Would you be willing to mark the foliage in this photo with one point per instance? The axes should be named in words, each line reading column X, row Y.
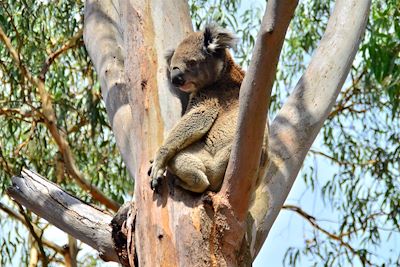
column 75, row 96
column 360, row 138
column 36, row 30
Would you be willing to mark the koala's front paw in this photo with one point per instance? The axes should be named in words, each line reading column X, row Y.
column 156, row 173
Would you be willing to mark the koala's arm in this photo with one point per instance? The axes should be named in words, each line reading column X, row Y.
column 191, row 127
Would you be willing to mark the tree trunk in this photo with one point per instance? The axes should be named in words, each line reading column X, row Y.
column 172, row 228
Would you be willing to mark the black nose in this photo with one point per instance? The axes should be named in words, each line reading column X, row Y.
column 177, row 77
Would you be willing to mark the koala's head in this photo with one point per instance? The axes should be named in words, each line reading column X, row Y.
column 199, row 59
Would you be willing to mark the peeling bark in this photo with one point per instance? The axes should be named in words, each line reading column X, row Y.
column 123, row 225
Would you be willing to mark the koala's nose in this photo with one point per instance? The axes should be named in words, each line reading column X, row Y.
column 177, row 77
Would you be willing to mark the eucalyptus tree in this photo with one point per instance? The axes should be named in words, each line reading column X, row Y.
column 371, row 94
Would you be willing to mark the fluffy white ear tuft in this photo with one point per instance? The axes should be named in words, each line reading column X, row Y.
column 213, row 46
column 216, row 38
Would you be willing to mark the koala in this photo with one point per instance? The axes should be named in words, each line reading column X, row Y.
column 197, row 149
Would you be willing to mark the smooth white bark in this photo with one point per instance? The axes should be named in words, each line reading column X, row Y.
column 103, row 36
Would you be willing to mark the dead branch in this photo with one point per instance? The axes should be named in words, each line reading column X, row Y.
column 65, row 211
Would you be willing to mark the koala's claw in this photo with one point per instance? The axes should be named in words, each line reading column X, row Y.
column 155, row 184
column 156, row 174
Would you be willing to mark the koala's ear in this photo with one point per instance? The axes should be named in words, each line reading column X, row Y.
column 216, row 38
column 168, row 56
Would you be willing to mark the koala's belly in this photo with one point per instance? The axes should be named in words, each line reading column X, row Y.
column 222, row 132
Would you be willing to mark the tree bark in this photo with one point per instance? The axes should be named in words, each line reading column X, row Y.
column 168, row 228
column 65, row 211
column 146, row 30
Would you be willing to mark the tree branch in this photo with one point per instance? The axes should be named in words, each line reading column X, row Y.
column 302, row 116
column 339, row 162
column 232, row 202
column 72, row 42
column 58, row 136
column 15, row 111
column 27, row 140
column 65, row 211
column 103, row 37
column 16, row 57
column 71, row 252
column 254, row 101
column 33, row 256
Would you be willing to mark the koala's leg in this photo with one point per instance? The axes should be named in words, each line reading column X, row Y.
column 191, row 127
column 191, row 171
column 216, row 167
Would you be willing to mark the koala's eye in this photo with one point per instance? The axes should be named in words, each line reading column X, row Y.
column 191, row 63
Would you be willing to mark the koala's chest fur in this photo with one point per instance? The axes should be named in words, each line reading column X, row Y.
column 223, row 96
